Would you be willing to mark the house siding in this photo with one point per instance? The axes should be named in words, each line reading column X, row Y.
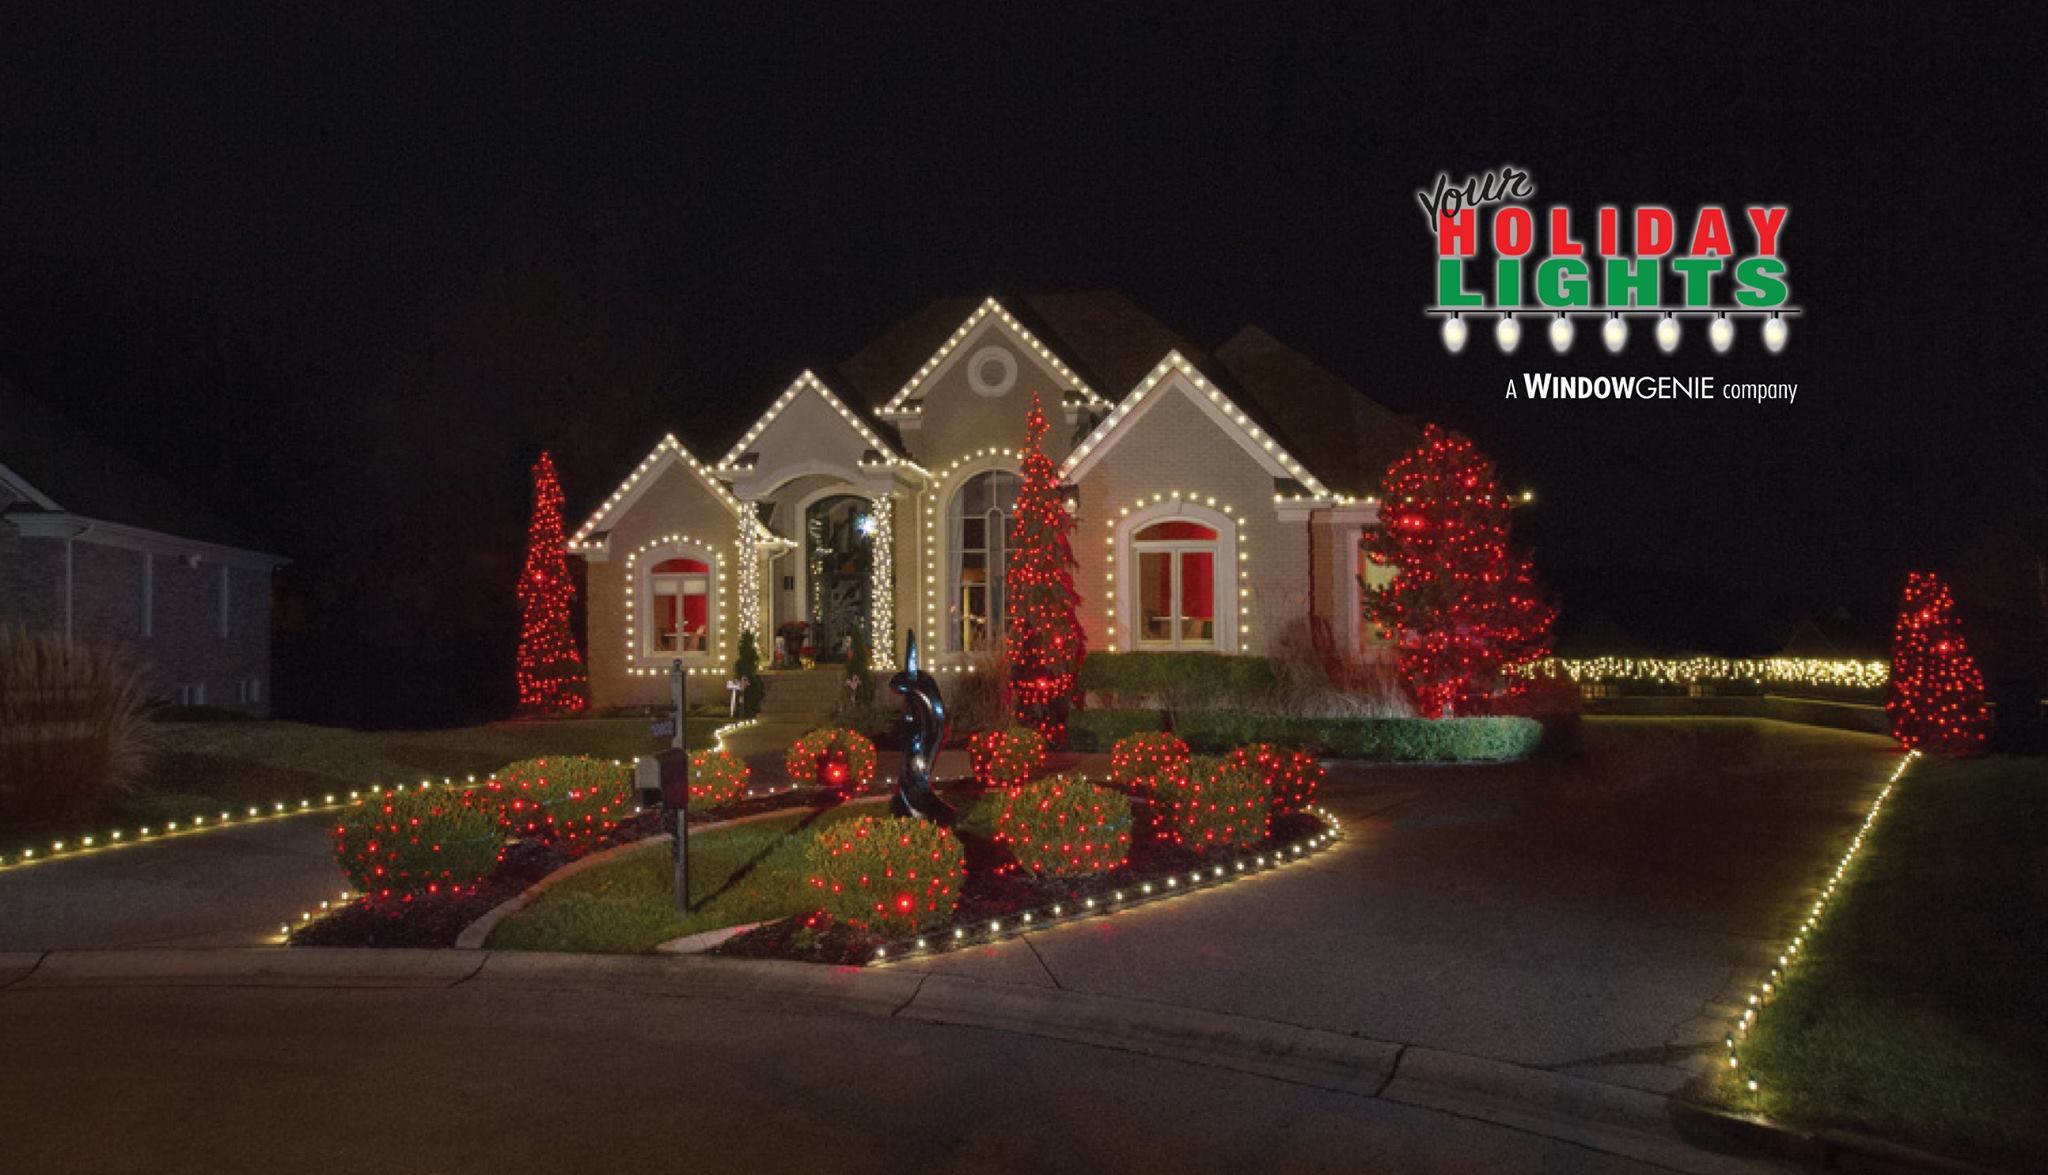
column 1175, row 445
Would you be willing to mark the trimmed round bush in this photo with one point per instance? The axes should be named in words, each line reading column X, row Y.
column 1006, row 758
column 1140, row 761
column 717, row 777
column 832, row 756
column 890, row 875
column 1065, row 826
column 404, row 843
column 1218, row 803
column 1291, row 777
column 566, row 800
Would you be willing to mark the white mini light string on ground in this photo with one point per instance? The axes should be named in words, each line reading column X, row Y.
column 1805, row 671
column 1208, row 876
column 1789, row 954
column 1240, row 591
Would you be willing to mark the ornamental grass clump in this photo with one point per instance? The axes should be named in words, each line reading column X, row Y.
column 566, row 800
column 1291, row 777
column 1142, row 761
column 74, row 720
column 888, row 875
column 1065, row 827
column 832, row 756
column 1006, row 758
column 1217, row 804
column 717, row 777
column 402, row 844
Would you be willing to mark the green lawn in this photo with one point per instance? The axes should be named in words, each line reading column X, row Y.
column 741, row 873
column 1920, row 1013
column 202, row 766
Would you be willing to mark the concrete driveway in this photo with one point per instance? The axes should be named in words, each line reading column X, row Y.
column 1587, row 917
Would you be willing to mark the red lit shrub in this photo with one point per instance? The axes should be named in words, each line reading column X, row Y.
column 1006, row 758
column 832, row 756
column 1142, row 760
column 1217, row 803
column 717, row 777
column 1065, row 826
column 406, row 843
column 1290, row 777
column 887, row 874
column 566, row 800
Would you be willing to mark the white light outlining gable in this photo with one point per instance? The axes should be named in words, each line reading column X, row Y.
column 811, row 383
column 1175, row 373
column 902, row 404
column 669, row 452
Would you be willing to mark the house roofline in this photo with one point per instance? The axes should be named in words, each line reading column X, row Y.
column 61, row 524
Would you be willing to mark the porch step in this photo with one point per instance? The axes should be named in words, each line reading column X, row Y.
column 807, row 694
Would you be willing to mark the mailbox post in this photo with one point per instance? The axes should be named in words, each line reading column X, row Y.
column 664, row 778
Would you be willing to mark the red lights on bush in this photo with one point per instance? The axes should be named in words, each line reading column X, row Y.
column 1291, row 778
column 1005, row 758
column 1141, row 760
column 1936, row 694
column 407, row 843
column 1465, row 612
column 1217, row 803
column 717, row 777
column 832, row 756
column 566, row 800
column 1065, row 827
column 886, row 874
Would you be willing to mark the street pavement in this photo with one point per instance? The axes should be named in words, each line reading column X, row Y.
column 490, row 1078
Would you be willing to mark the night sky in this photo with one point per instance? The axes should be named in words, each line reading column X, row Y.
column 343, row 270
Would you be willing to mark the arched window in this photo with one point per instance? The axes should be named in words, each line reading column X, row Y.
column 978, row 526
column 679, row 606
column 1176, row 562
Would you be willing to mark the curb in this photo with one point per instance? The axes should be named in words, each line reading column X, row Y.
column 696, row 944
column 249, row 967
column 475, row 934
column 1829, row 1149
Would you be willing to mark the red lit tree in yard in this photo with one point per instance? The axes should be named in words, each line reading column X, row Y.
column 1936, row 695
column 1045, row 643
column 552, row 679
column 1464, row 610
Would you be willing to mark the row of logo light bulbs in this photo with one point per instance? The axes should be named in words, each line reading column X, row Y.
column 1614, row 333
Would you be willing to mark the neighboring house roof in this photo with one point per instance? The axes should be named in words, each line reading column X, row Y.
column 64, row 470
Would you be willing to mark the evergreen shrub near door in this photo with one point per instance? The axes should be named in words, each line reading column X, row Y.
column 1177, row 679
column 1389, row 740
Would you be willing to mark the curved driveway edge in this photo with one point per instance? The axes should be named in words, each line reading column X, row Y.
column 1606, row 1118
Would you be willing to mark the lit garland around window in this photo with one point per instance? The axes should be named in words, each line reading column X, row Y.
column 714, row 640
column 1243, row 593
column 1788, row 955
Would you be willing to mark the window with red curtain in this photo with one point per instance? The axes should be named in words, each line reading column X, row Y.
column 680, row 591
column 1176, row 565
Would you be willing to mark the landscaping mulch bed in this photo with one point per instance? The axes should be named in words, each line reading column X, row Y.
column 437, row 920
column 996, row 890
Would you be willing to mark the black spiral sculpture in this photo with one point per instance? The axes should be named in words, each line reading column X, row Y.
column 924, row 732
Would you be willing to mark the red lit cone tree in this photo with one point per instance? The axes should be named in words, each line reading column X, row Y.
column 1936, row 695
column 552, row 679
column 1045, row 643
column 1465, row 611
